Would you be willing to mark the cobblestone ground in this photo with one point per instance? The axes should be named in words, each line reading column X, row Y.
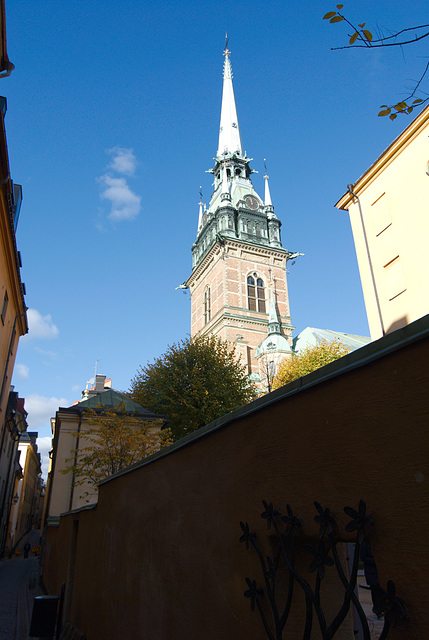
column 19, row 584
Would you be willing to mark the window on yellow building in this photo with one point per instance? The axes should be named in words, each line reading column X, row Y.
column 395, row 280
column 381, row 214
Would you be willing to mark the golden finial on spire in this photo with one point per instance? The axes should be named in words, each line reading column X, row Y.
column 265, row 167
column 201, row 195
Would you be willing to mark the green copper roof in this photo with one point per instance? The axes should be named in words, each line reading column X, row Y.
column 112, row 398
column 312, row 337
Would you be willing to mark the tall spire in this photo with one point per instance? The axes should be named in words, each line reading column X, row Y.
column 229, row 132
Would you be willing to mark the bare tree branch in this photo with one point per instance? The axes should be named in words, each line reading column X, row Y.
column 362, row 38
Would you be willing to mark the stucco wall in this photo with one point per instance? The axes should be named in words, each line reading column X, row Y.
column 159, row 556
column 390, row 230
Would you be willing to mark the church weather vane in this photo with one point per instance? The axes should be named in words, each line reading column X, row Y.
column 226, row 51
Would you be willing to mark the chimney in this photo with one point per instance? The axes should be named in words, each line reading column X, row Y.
column 99, row 383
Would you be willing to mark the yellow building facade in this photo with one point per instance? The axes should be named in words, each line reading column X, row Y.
column 388, row 212
column 13, row 318
column 25, row 512
column 73, row 431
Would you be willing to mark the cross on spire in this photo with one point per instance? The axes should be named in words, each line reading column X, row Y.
column 226, row 52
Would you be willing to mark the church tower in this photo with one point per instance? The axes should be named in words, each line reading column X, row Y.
column 238, row 281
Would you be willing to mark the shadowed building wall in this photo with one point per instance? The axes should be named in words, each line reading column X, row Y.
column 159, row 556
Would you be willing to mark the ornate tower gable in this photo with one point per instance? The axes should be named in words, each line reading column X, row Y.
column 238, row 250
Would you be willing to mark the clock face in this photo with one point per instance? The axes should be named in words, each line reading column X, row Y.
column 251, row 202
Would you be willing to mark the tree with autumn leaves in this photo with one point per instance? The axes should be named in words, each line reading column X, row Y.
column 308, row 360
column 112, row 440
column 191, row 384
column 194, row 382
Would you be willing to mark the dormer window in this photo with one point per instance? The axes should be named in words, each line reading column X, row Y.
column 255, row 294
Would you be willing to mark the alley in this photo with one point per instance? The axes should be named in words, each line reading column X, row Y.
column 19, row 584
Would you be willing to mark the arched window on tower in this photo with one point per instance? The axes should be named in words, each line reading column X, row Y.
column 255, row 294
column 207, row 306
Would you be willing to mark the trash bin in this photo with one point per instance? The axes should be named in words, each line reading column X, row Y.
column 44, row 617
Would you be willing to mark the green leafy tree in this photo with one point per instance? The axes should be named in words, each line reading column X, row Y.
column 194, row 382
column 113, row 441
column 308, row 360
column 359, row 36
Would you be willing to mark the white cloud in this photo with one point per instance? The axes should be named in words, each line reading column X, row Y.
column 22, row 371
column 40, row 409
column 125, row 203
column 49, row 354
column 123, row 161
column 44, row 445
column 40, row 326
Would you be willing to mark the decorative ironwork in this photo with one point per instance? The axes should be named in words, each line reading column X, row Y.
column 324, row 554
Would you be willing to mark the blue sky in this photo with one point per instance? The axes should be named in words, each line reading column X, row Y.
column 112, row 121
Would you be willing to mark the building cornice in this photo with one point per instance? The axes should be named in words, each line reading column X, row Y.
column 239, row 244
column 397, row 147
column 228, row 316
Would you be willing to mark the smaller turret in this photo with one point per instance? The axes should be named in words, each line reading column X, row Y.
column 273, row 319
column 267, row 201
column 200, row 214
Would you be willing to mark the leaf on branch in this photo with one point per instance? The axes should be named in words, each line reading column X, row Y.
column 367, row 34
column 340, row 6
column 385, row 112
column 410, row 109
column 362, row 25
column 336, row 19
column 329, row 15
column 393, row 116
column 417, row 100
column 400, row 106
column 354, row 38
